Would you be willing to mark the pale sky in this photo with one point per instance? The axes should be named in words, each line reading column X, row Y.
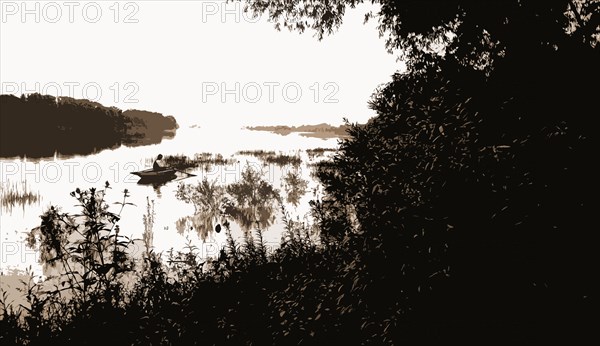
column 179, row 55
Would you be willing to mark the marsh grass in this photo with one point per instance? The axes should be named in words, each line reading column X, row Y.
column 319, row 152
column 270, row 157
column 13, row 195
column 200, row 160
column 148, row 220
column 257, row 153
column 283, row 160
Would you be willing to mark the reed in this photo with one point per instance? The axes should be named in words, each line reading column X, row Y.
column 17, row 194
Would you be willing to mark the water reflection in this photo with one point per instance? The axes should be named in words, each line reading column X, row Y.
column 157, row 185
column 52, row 179
column 250, row 202
column 208, row 199
column 295, row 187
column 254, row 201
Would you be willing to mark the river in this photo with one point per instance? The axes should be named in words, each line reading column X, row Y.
column 52, row 179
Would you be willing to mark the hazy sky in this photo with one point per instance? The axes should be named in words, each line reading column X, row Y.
column 177, row 57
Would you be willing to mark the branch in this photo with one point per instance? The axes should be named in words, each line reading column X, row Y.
column 576, row 12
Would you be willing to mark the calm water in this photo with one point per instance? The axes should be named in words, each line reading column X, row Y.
column 55, row 178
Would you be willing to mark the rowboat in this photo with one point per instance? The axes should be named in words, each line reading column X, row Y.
column 152, row 176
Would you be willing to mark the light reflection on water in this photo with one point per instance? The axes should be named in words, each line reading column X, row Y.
column 55, row 178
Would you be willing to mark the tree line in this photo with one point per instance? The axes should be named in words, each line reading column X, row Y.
column 37, row 125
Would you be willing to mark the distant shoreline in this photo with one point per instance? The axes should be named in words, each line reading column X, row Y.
column 323, row 131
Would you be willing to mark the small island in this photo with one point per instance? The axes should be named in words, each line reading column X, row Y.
column 323, row 131
column 38, row 126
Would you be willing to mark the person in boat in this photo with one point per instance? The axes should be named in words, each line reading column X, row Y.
column 158, row 163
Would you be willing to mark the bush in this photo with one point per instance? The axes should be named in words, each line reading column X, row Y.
column 246, row 296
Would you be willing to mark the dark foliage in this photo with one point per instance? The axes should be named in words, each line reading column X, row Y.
column 247, row 295
column 477, row 168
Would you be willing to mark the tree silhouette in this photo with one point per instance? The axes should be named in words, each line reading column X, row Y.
column 40, row 126
column 472, row 182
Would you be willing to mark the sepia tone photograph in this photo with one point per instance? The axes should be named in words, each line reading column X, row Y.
column 299, row 172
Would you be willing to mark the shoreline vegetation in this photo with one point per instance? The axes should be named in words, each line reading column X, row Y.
column 37, row 126
column 200, row 160
column 14, row 195
column 271, row 157
column 322, row 131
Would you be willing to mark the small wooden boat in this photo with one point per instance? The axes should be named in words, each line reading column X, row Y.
column 152, row 176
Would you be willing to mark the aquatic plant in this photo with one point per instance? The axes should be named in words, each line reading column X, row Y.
column 12, row 195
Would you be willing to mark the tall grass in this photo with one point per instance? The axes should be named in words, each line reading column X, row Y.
column 248, row 295
column 148, row 220
column 318, row 152
column 257, row 153
column 271, row 157
column 199, row 160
